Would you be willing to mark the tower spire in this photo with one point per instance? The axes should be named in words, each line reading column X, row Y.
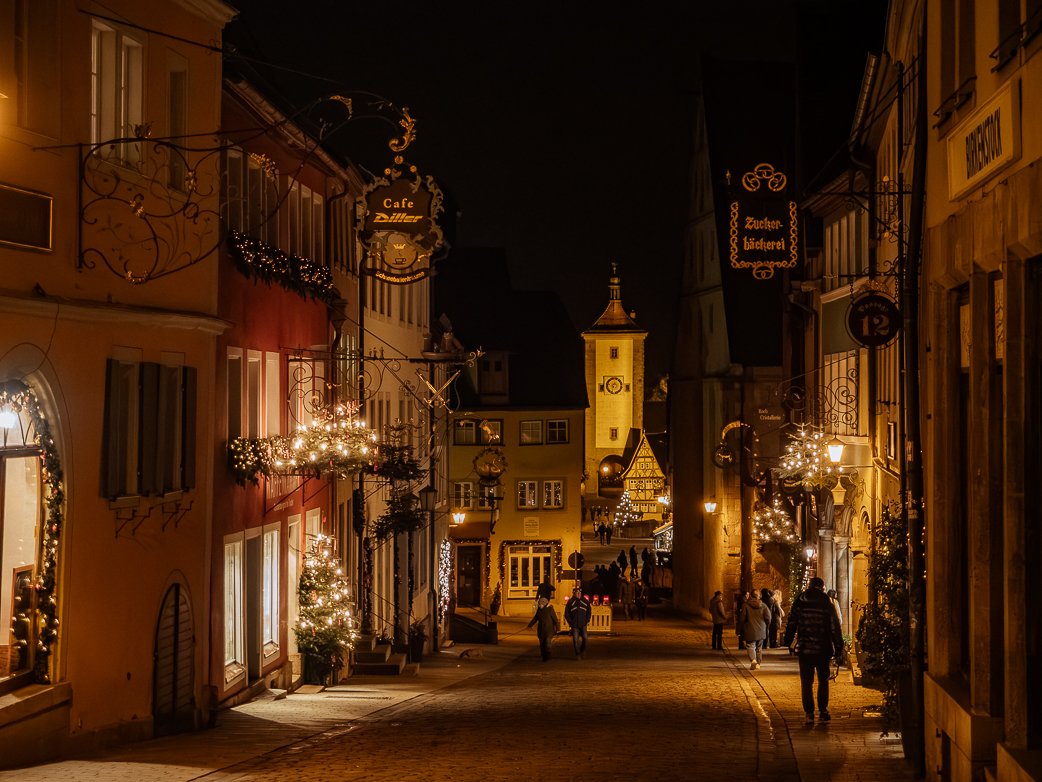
column 613, row 284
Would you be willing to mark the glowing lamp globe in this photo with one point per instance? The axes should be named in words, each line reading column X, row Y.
column 835, row 447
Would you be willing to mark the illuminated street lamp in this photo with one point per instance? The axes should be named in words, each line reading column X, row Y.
column 459, row 517
column 710, row 506
column 810, row 554
column 835, row 447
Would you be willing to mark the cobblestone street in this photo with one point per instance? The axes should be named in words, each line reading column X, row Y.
column 653, row 701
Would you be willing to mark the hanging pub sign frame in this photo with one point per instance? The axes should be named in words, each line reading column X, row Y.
column 764, row 224
column 400, row 230
column 873, row 320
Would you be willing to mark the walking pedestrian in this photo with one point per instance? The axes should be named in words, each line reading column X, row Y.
column 781, row 613
column 767, row 598
column 719, row 615
column 814, row 624
column 754, row 619
column 548, row 625
column 623, row 562
column 776, row 617
column 633, row 561
column 626, row 596
column 649, row 566
column 546, row 589
column 608, row 529
column 739, row 602
column 640, row 599
column 577, row 612
column 834, row 599
column 601, row 530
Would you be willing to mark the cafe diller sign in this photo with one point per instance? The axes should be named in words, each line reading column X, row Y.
column 764, row 224
column 400, row 230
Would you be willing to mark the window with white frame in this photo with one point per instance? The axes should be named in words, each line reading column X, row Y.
column 557, row 431
column 306, row 223
column 484, row 497
column 248, row 195
column 270, row 593
column 294, row 562
column 462, row 496
column 341, row 233
column 254, row 393
column 117, row 89
column 272, row 395
column 526, row 495
column 464, row 433
column 553, row 494
column 531, row 432
column 177, row 117
column 529, row 567
column 234, row 615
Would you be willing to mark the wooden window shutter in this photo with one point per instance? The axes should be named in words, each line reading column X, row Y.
column 151, row 446
column 188, row 427
column 111, row 483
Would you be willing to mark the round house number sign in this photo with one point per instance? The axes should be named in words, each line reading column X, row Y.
column 873, row 320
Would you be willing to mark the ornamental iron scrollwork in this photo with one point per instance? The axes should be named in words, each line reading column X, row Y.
column 830, row 398
column 149, row 207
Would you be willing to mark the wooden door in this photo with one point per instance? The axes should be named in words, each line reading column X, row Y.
column 172, row 683
column 468, row 575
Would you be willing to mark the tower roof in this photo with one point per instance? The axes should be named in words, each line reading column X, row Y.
column 614, row 319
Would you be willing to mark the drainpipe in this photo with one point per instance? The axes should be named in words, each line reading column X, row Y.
column 913, row 451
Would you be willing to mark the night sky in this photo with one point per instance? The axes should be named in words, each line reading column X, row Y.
column 559, row 131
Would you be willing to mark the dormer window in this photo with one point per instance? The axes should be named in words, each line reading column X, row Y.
column 492, row 374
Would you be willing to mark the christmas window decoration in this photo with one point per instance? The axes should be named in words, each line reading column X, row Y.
column 259, row 261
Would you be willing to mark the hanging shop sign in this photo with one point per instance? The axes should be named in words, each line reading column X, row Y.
column 400, row 231
column 764, row 224
column 984, row 143
column 873, row 320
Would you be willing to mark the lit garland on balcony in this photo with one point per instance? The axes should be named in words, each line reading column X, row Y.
column 257, row 260
column 772, row 524
column 807, row 460
column 334, row 442
column 23, row 397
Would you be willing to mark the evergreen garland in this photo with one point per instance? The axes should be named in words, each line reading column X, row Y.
column 259, row 261
column 399, row 468
column 325, row 629
column 20, row 396
column 883, row 634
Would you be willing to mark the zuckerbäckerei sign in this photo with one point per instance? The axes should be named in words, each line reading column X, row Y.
column 984, row 143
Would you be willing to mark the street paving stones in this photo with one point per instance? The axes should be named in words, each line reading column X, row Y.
column 652, row 701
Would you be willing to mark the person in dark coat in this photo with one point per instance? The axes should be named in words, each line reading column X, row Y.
column 608, row 530
column 577, row 613
column 754, row 618
column 623, row 562
column 626, row 596
column 719, row 615
column 737, row 612
column 633, row 561
column 640, row 599
column 771, row 600
column 548, row 625
column 601, row 530
column 647, row 571
column 813, row 623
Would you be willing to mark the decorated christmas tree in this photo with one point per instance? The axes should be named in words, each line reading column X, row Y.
column 325, row 629
column 626, row 513
column 772, row 524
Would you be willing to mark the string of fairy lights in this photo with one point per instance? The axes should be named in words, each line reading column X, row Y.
column 259, row 260
column 23, row 398
column 325, row 625
column 772, row 524
column 335, row 441
column 807, row 459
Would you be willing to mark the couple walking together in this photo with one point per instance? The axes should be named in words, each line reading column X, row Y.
column 577, row 612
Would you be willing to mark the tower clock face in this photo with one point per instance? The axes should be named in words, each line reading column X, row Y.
column 613, row 385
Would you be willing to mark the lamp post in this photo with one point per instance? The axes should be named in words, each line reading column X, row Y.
column 428, row 500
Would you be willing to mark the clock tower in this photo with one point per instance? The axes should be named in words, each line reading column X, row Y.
column 615, row 386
